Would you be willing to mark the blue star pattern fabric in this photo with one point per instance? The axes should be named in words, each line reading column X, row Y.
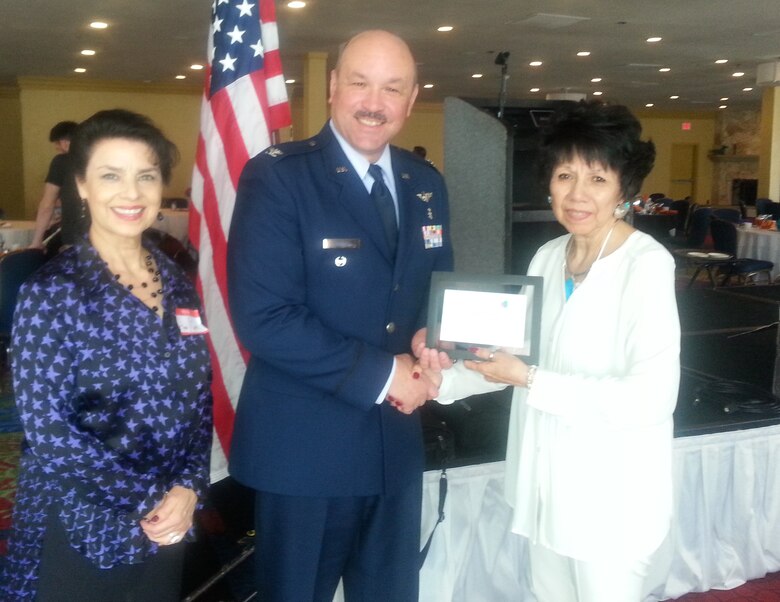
column 116, row 408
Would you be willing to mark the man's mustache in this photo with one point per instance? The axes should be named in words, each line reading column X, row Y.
column 373, row 115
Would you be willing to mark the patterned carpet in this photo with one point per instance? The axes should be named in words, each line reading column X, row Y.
column 10, row 438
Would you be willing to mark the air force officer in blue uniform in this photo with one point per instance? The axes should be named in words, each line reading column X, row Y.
column 326, row 300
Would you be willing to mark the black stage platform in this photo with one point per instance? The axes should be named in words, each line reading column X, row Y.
column 729, row 336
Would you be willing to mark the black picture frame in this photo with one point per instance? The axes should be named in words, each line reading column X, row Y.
column 496, row 286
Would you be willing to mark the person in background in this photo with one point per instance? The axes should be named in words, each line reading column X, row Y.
column 589, row 456
column 112, row 381
column 59, row 185
column 420, row 151
column 331, row 249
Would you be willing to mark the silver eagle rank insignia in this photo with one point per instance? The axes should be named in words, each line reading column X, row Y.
column 274, row 151
column 425, row 196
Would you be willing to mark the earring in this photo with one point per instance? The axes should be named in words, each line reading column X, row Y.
column 549, row 200
column 160, row 216
column 83, row 209
column 621, row 210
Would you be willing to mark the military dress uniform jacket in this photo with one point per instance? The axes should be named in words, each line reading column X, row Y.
column 322, row 307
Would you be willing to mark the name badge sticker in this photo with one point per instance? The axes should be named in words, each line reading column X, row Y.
column 433, row 236
column 189, row 322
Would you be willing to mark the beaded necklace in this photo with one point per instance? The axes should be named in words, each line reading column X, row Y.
column 152, row 269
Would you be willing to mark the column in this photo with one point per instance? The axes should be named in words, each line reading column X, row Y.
column 315, row 93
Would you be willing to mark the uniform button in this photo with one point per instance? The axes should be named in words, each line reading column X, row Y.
column 390, row 328
column 396, row 288
column 167, row 354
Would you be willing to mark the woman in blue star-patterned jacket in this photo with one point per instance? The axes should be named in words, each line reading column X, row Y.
column 111, row 376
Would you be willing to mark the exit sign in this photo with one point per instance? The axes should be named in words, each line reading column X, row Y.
column 686, row 125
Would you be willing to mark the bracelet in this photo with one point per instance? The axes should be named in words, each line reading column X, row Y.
column 529, row 378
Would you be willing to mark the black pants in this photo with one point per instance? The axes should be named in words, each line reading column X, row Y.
column 65, row 575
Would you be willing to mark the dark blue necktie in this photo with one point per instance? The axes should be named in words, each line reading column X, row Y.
column 384, row 203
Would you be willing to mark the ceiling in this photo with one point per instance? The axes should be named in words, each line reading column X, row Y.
column 153, row 40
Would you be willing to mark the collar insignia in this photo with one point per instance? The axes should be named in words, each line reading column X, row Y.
column 341, row 169
column 405, row 176
column 425, row 196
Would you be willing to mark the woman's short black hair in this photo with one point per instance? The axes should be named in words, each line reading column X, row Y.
column 598, row 133
column 120, row 123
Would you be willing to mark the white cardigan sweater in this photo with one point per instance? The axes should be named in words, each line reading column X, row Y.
column 588, row 468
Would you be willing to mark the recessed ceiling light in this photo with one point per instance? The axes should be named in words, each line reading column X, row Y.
column 664, row 70
column 737, row 74
column 747, row 89
column 535, row 63
column 86, row 52
column 595, row 80
column 476, row 75
column 445, row 28
column 181, row 77
column 583, row 53
column 721, row 61
column 724, row 99
column 428, row 86
column 296, row 4
column 196, row 66
column 80, row 70
column 654, row 39
column 98, row 25
column 723, row 107
column 534, row 90
column 649, row 104
column 289, row 81
column 673, row 97
column 598, row 93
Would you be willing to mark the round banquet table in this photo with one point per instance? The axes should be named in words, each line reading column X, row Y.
column 174, row 222
column 16, row 234
column 755, row 243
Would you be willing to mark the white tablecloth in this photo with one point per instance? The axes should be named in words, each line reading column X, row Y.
column 726, row 529
column 16, row 234
column 174, row 222
column 760, row 244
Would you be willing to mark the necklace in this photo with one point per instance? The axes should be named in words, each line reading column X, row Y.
column 147, row 288
column 577, row 278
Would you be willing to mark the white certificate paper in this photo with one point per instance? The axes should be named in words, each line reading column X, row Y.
column 483, row 318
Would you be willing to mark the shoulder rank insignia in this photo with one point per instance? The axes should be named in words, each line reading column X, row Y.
column 274, row 151
column 425, row 196
column 341, row 169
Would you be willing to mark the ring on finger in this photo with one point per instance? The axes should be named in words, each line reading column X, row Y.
column 491, row 356
column 174, row 538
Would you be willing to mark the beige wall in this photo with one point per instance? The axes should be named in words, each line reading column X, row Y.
column 44, row 102
column 11, row 187
column 25, row 122
column 665, row 130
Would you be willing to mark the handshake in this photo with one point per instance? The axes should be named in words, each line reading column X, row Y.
column 416, row 379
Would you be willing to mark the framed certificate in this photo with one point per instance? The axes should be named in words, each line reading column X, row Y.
column 488, row 311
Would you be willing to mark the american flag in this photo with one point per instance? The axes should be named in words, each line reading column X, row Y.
column 244, row 101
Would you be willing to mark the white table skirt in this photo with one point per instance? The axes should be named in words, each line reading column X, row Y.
column 760, row 244
column 174, row 222
column 726, row 529
column 16, row 234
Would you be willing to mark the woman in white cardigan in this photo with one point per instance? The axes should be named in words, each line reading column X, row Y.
column 588, row 468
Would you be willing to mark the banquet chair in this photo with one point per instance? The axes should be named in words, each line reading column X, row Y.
column 724, row 239
column 681, row 207
column 764, row 206
column 730, row 215
column 15, row 268
column 698, row 229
